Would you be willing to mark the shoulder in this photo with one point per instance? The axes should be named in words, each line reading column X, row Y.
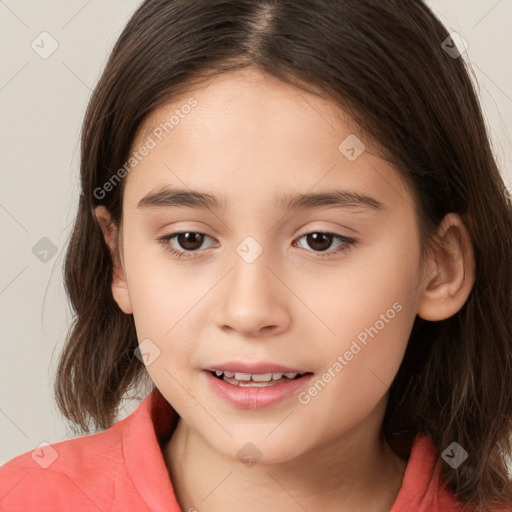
column 423, row 489
column 78, row 474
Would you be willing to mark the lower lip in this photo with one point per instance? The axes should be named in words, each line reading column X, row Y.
column 255, row 398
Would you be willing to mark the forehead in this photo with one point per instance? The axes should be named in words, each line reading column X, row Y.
column 246, row 132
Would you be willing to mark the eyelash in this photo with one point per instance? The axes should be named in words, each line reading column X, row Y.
column 165, row 241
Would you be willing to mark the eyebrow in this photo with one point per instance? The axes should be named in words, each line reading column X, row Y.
column 174, row 197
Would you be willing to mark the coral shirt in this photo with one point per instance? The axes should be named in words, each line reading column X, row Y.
column 122, row 469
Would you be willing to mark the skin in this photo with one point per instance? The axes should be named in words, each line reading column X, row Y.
column 250, row 137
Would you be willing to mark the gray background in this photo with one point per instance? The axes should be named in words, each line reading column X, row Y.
column 42, row 103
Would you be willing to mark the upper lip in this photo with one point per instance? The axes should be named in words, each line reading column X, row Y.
column 253, row 368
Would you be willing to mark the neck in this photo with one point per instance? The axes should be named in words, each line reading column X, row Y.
column 354, row 471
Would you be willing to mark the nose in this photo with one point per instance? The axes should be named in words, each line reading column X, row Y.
column 254, row 299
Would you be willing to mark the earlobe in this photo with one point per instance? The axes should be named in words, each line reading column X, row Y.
column 450, row 282
column 119, row 285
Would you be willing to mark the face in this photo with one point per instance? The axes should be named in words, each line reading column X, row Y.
column 327, row 286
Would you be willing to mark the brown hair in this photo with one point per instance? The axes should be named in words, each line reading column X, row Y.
column 383, row 62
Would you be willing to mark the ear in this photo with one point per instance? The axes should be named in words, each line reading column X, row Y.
column 119, row 285
column 452, row 271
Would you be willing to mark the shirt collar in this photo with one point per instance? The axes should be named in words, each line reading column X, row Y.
column 422, row 488
column 151, row 424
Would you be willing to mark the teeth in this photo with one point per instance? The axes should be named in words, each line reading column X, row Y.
column 265, row 377
column 242, row 376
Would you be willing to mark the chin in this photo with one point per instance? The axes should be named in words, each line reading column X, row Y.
column 250, row 447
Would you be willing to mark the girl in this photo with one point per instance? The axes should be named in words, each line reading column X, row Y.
column 340, row 338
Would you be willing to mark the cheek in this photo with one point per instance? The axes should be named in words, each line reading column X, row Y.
column 370, row 310
column 360, row 363
column 373, row 286
column 162, row 291
column 370, row 341
column 166, row 305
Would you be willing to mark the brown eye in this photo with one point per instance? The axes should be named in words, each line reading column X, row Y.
column 190, row 241
column 319, row 241
column 184, row 244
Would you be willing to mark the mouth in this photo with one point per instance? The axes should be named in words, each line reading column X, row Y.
column 248, row 380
